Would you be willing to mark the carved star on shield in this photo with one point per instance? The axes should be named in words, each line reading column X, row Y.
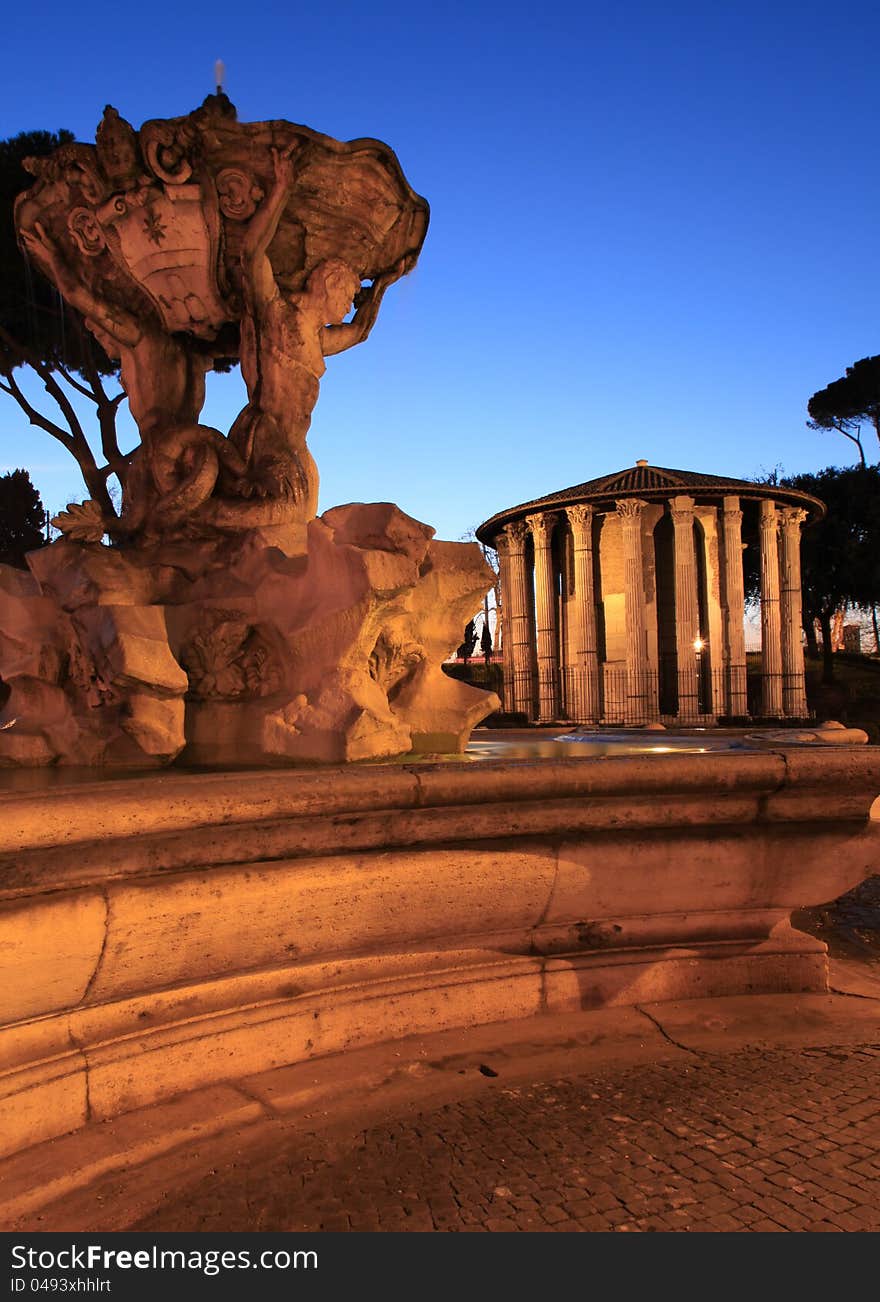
column 154, row 227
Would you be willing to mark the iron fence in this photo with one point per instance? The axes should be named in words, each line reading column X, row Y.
column 616, row 695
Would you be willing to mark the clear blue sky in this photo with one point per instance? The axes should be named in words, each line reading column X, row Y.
column 653, row 229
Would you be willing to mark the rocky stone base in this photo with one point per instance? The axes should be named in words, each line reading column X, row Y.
column 231, row 652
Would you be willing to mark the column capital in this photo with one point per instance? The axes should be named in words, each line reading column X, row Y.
column 579, row 516
column 681, row 508
column 769, row 516
column 732, row 512
column 541, row 526
column 792, row 517
column 630, row 508
column 515, row 533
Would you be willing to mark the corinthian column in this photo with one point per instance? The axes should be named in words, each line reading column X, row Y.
column 519, row 623
column 541, row 526
column 771, row 634
column 734, row 605
column 630, row 512
column 794, row 696
column 687, row 609
column 580, row 628
column 502, row 547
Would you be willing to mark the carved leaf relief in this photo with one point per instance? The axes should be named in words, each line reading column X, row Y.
column 229, row 659
column 82, row 669
column 81, row 522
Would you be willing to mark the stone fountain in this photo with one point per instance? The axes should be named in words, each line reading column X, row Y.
column 216, row 617
column 184, row 931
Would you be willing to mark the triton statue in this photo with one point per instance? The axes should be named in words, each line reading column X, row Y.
column 200, row 238
column 217, row 618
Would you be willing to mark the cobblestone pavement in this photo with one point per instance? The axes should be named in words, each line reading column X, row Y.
column 782, row 1139
column 850, row 926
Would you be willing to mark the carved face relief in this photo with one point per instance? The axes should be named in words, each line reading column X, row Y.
column 117, row 149
column 338, row 284
column 77, row 166
column 391, row 662
column 339, row 300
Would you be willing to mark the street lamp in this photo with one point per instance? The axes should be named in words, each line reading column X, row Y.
column 699, row 644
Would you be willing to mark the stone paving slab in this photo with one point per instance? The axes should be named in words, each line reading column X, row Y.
column 759, row 1113
column 770, row 1021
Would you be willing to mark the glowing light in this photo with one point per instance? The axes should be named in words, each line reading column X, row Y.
column 698, row 644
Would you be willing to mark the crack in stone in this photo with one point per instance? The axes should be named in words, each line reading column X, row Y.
column 696, row 1053
column 105, row 895
column 851, row 994
column 86, row 1066
column 70, row 1031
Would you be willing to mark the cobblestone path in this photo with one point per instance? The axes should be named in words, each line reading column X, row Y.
column 783, row 1139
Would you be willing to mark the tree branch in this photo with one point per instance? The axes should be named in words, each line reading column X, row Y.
column 54, row 390
column 73, row 438
column 107, row 409
column 35, row 417
column 854, row 438
column 85, row 390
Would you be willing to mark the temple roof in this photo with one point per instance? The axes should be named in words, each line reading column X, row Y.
column 652, row 484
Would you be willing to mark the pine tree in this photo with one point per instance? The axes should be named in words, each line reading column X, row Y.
column 22, row 518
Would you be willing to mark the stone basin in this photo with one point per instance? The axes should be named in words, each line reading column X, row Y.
column 595, row 742
column 164, row 932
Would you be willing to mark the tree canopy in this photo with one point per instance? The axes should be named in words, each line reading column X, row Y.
column 845, row 403
column 38, row 330
column 840, row 555
column 29, row 309
column 22, row 518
